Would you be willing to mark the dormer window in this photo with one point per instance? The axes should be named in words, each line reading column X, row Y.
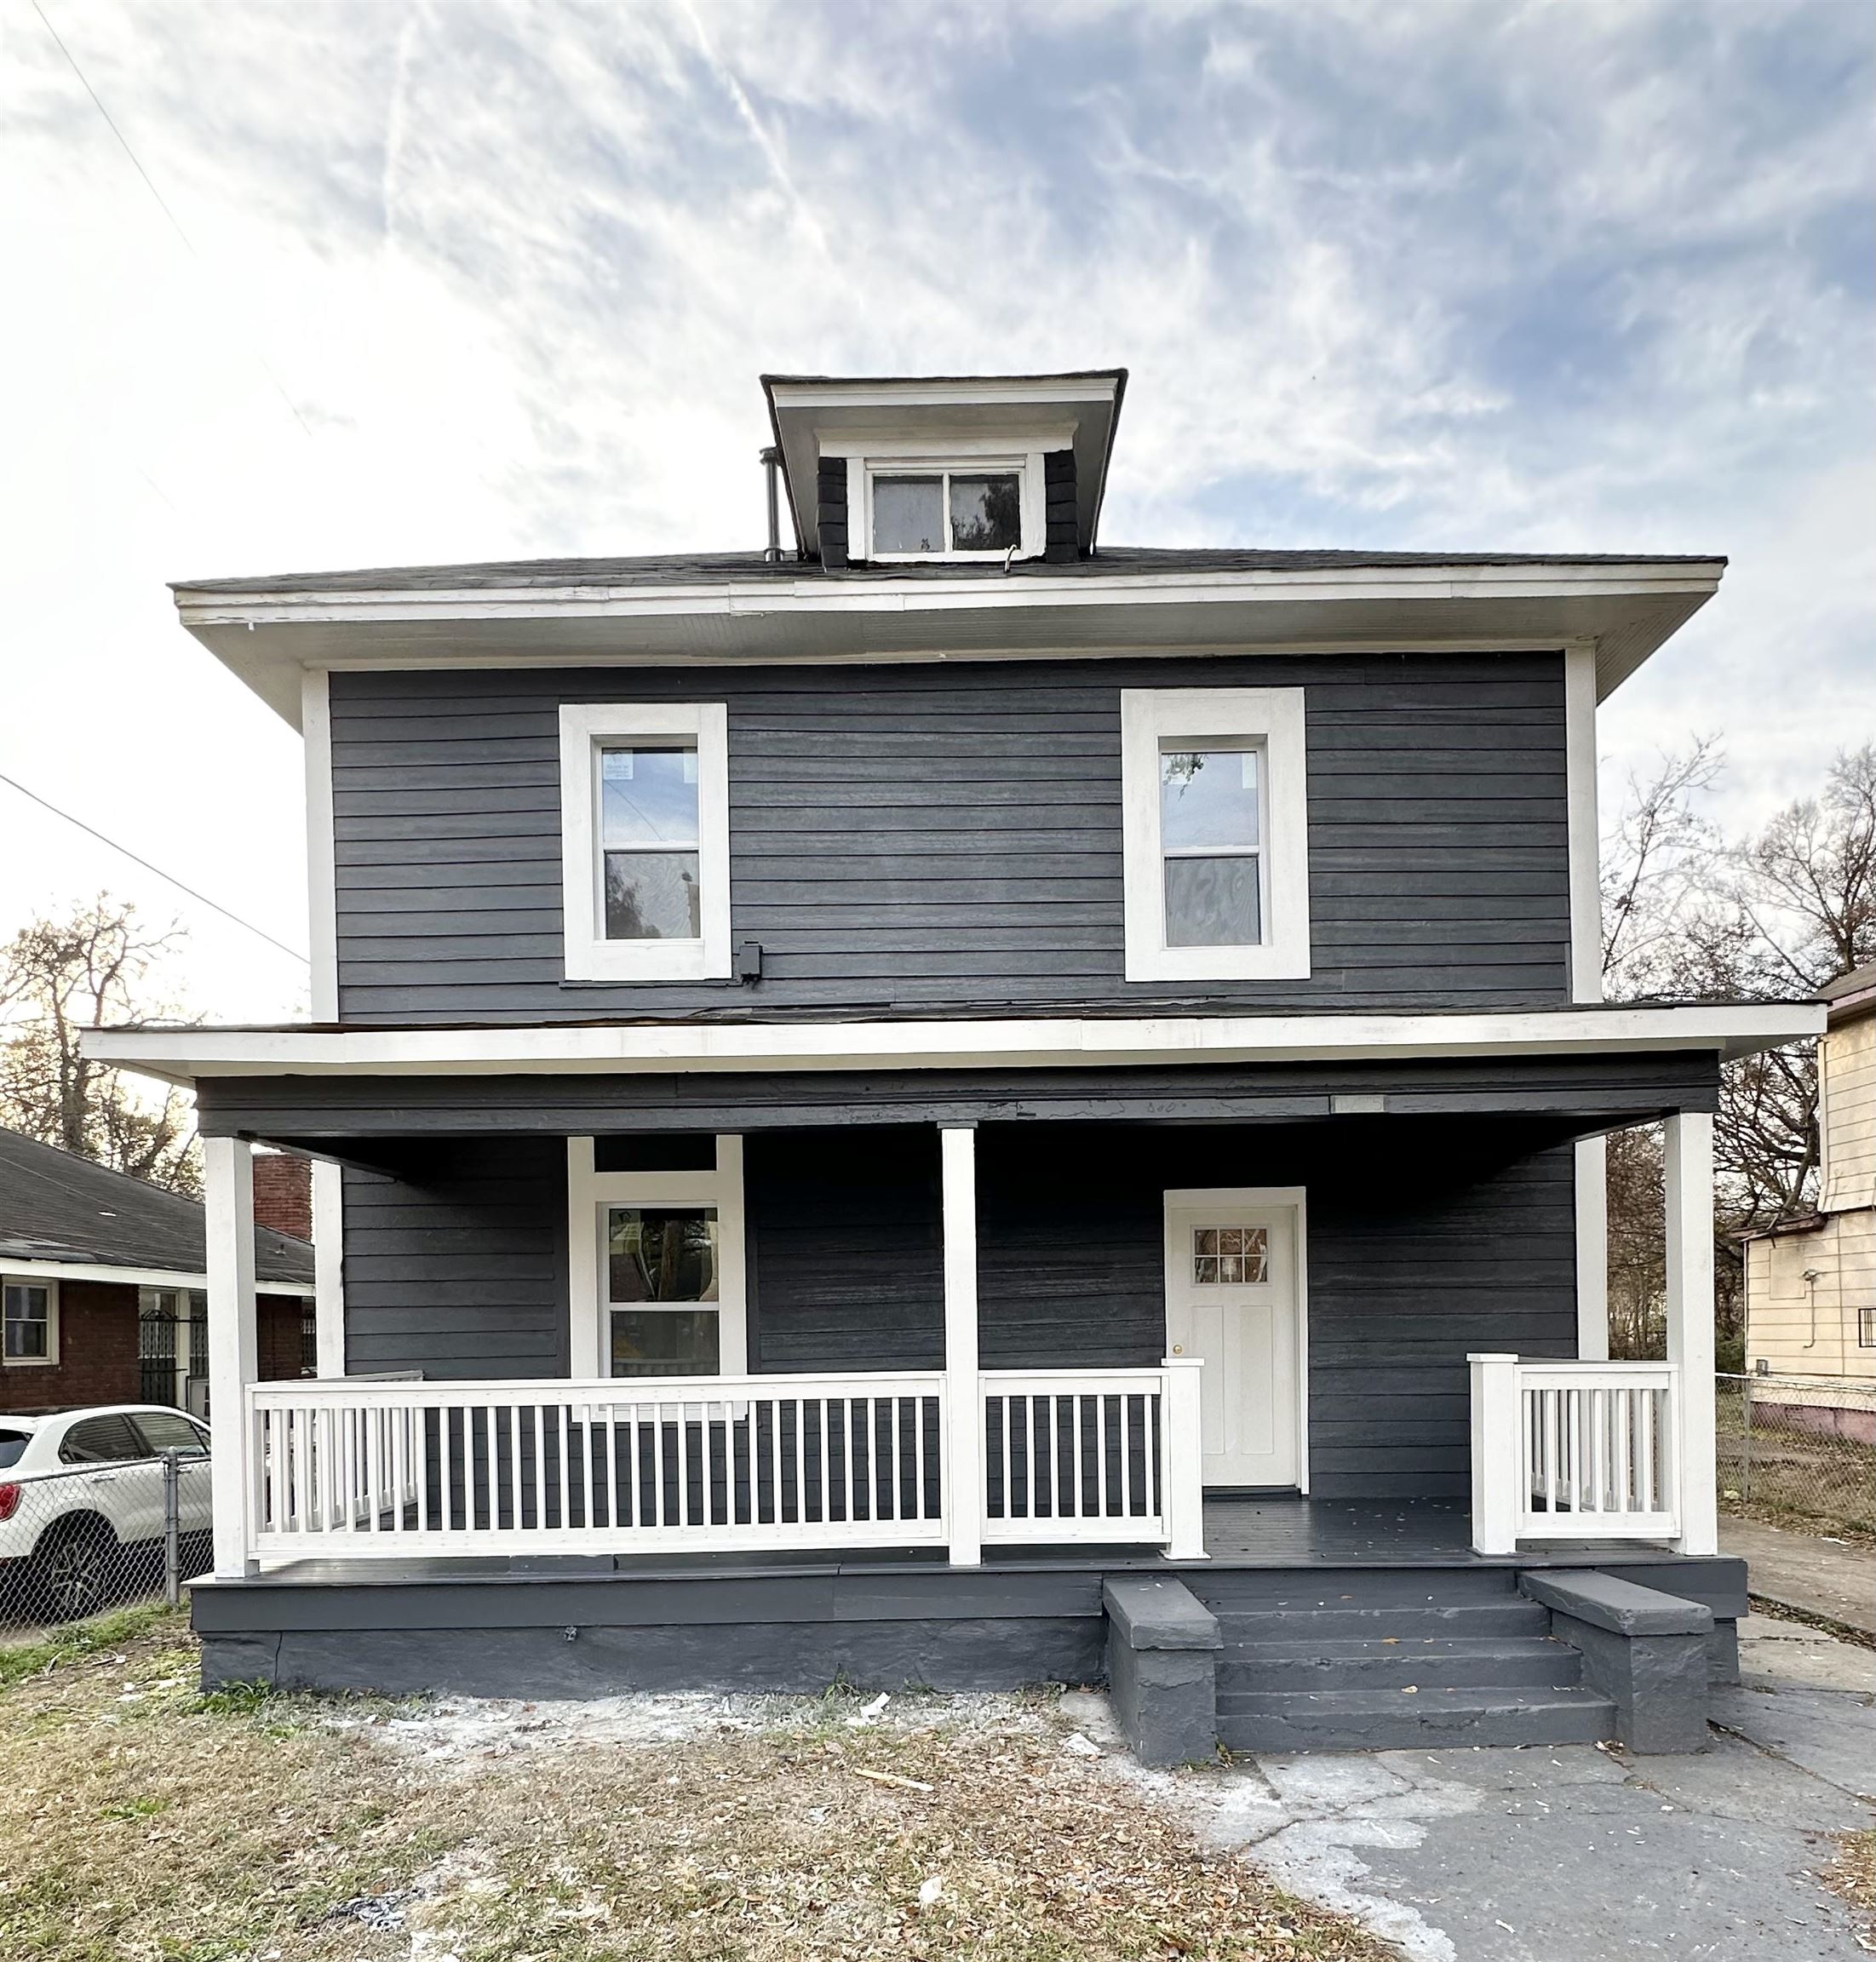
column 946, row 515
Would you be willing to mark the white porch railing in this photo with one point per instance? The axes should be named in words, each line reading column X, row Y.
column 1577, row 1451
column 348, row 1468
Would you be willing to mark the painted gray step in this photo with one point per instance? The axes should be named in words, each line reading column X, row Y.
column 1248, row 1588
column 1306, row 1627
column 1381, row 1720
column 1439, row 1661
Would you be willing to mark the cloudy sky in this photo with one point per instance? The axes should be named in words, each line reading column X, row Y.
column 404, row 282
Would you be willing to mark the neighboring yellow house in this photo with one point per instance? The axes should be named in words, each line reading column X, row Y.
column 1810, row 1284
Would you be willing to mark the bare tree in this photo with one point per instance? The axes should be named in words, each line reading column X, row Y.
column 58, row 977
column 1657, row 866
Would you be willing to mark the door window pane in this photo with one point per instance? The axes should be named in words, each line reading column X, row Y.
column 1225, row 1256
column 164, row 1430
column 661, row 1253
column 1208, row 798
column 909, row 514
column 653, row 896
column 986, row 513
column 101, row 1441
column 648, row 794
column 1213, row 902
column 665, row 1342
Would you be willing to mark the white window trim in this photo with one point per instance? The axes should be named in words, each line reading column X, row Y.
column 881, row 456
column 1272, row 719
column 50, row 1359
column 590, row 956
column 590, row 1192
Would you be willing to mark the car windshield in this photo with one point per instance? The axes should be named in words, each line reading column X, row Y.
column 13, row 1447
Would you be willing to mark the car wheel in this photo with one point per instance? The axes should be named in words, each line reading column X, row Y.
column 72, row 1570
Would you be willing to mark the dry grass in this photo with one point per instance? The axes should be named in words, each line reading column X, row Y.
column 1853, row 1877
column 144, row 1824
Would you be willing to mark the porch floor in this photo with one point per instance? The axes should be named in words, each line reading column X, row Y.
column 1266, row 1530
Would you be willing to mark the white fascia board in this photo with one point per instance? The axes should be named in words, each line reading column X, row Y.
column 185, row 1056
column 915, row 395
column 131, row 1276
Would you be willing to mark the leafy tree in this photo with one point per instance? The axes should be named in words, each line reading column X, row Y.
column 57, row 977
column 1690, row 916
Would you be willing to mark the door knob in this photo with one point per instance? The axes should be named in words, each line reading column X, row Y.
column 1178, row 1348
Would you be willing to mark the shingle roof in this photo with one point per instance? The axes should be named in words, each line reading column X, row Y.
column 751, row 568
column 56, row 1206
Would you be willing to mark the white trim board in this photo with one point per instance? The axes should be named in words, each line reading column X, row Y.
column 140, row 1277
column 589, row 1190
column 187, row 1055
column 322, row 869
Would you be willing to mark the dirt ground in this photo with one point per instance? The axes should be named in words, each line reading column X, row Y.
column 147, row 1823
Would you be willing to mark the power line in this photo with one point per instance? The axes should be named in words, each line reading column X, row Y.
column 161, row 202
column 201, row 897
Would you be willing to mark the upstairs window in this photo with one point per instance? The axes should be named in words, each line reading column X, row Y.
column 645, row 845
column 947, row 514
column 1214, row 834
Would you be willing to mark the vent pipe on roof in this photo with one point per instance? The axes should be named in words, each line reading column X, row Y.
column 771, row 464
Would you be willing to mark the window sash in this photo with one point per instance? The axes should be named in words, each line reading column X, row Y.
column 944, row 472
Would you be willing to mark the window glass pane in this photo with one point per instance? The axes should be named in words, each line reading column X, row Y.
column 13, row 1447
column 663, row 1342
column 165, row 1432
column 1211, row 903
column 1223, row 1255
column 28, row 1313
column 101, row 1441
column 986, row 514
column 661, row 1253
column 908, row 514
column 653, row 896
column 1208, row 797
column 648, row 794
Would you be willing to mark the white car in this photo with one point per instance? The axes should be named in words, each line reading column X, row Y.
column 82, row 1505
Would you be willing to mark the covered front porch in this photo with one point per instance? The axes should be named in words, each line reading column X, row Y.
column 1025, row 1404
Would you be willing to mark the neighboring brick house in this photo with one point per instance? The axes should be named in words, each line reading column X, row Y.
column 103, row 1282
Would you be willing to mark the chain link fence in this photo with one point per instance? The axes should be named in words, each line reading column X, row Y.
column 75, row 1542
column 1798, row 1451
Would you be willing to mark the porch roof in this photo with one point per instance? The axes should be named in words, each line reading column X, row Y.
column 191, row 1055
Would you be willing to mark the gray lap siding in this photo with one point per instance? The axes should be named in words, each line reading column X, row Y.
column 924, row 837
column 1424, row 1243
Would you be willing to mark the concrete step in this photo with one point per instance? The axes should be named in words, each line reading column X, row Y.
column 1431, row 1661
column 1372, row 1719
column 1305, row 1626
column 1234, row 1590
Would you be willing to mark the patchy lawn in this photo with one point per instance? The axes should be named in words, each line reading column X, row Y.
column 145, row 1823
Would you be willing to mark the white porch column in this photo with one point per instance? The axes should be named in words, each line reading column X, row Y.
column 1592, row 1249
column 1498, row 1467
column 328, row 1265
column 964, row 1401
column 1687, row 1163
column 1182, row 1421
column 227, row 1191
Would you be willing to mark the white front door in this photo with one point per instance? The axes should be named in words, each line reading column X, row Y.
column 1233, row 1266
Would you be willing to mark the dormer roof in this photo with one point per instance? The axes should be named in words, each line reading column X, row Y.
column 814, row 414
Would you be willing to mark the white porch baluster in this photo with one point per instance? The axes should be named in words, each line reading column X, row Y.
column 964, row 1507
column 1687, row 1151
column 234, row 1472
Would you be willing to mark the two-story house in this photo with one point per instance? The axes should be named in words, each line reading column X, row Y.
column 901, row 1089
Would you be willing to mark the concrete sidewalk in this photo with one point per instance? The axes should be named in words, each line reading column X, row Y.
column 1822, row 1577
column 1580, row 1850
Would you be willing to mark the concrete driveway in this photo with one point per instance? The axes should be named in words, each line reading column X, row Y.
column 1579, row 1851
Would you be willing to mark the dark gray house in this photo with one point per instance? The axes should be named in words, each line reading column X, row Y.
column 951, row 1102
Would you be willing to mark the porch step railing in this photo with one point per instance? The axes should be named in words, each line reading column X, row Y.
column 345, row 1467
column 1574, row 1451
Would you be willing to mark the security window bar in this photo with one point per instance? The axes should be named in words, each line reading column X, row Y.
column 947, row 513
column 1866, row 1327
column 650, row 859
column 1212, row 844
